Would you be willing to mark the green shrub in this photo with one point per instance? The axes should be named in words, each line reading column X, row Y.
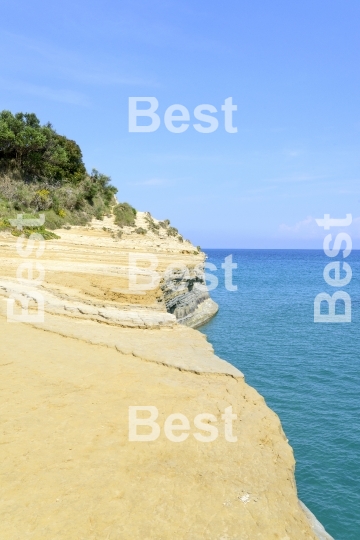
column 5, row 225
column 23, row 197
column 140, row 230
column 79, row 218
column 172, row 231
column 124, row 215
column 164, row 224
column 62, row 205
column 53, row 221
column 27, row 231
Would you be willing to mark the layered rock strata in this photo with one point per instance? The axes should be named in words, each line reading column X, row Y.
column 92, row 273
column 186, row 296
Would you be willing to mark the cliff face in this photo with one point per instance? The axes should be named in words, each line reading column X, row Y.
column 92, row 273
column 66, row 458
column 185, row 296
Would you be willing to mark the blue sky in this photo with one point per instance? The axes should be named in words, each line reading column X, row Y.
column 292, row 68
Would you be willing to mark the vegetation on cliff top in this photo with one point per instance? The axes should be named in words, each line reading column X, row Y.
column 42, row 171
column 124, row 215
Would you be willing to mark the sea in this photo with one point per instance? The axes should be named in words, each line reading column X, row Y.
column 308, row 373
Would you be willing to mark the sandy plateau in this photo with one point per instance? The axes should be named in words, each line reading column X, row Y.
column 68, row 470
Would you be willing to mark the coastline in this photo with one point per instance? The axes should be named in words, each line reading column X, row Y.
column 97, row 347
column 202, row 315
column 315, row 524
column 66, row 456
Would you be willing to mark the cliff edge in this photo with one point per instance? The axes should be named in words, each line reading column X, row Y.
column 70, row 465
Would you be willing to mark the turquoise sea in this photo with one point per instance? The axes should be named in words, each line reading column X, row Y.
column 308, row 373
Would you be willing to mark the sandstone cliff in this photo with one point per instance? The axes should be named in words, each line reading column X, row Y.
column 68, row 468
column 91, row 273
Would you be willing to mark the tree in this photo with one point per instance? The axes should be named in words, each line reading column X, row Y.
column 38, row 152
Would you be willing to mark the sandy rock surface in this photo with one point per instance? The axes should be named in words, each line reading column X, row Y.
column 68, row 469
column 70, row 472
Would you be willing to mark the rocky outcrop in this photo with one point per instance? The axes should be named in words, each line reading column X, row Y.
column 186, row 296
